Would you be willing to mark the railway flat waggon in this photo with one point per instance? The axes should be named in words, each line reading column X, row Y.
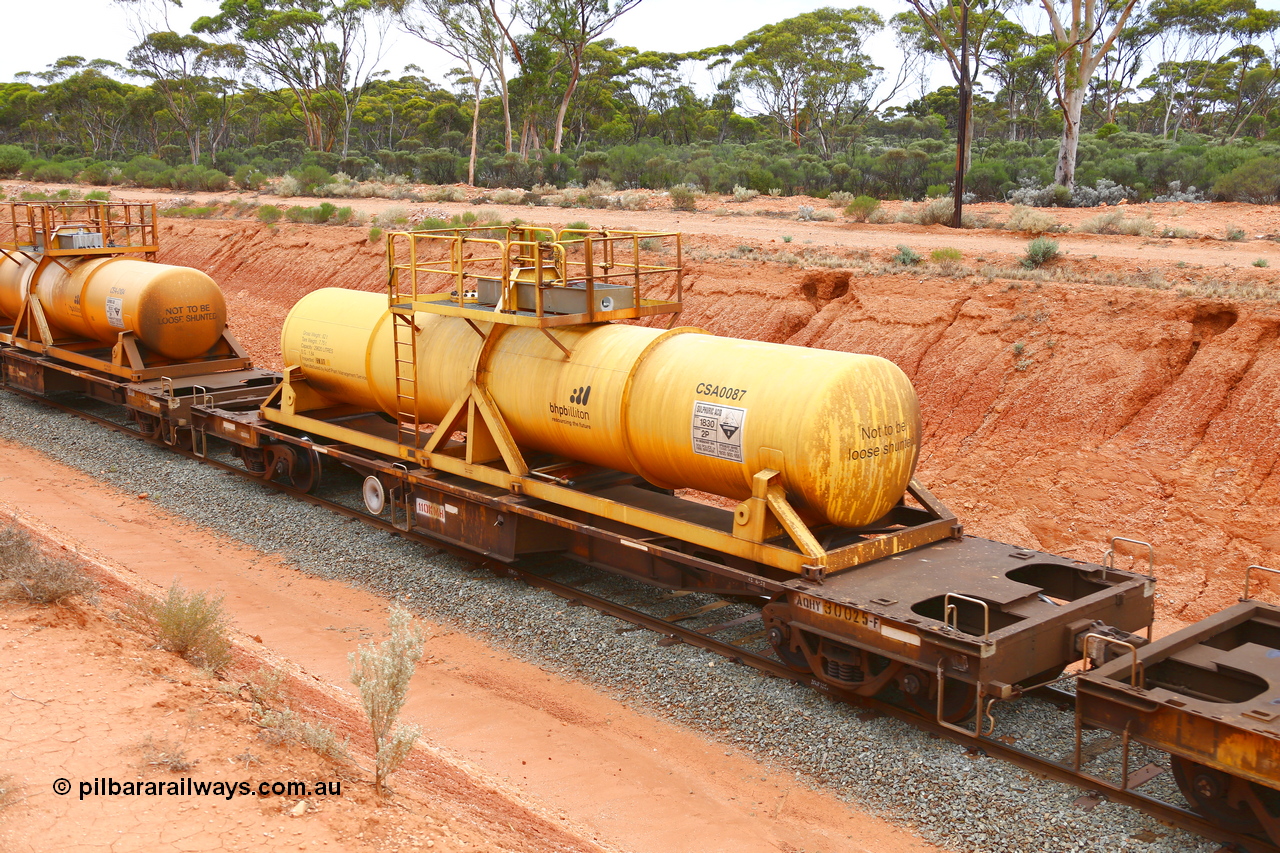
column 522, row 394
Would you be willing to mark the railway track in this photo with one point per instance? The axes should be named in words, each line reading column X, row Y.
column 699, row 626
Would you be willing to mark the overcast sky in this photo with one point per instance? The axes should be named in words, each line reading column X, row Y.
column 99, row 29
column 38, row 34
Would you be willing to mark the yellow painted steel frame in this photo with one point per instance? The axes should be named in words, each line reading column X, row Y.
column 488, row 440
column 125, row 227
column 32, row 333
column 491, row 456
column 455, row 257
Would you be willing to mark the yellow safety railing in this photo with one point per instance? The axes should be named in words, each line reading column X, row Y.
column 445, row 266
column 44, row 227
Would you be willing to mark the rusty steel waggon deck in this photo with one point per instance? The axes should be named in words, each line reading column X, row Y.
column 906, row 608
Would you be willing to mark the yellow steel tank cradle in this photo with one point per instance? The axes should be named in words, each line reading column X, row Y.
column 682, row 408
column 177, row 312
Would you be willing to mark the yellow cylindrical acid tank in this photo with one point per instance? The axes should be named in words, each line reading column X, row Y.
column 177, row 312
column 682, row 408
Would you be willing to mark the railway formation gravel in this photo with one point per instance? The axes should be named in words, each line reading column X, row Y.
column 951, row 798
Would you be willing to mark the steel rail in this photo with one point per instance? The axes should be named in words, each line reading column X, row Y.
column 1159, row 809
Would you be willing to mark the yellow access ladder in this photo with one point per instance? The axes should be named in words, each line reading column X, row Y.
column 405, row 353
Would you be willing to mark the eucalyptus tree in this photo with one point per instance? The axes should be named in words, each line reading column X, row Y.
column 1191, row 38
column 324, row 53
column 571, row 25
column 1247, row 83
column 1083, row 31
column 811, row 72
column 184, row 70
column 1021, row 64
column 79, row 104
column 467, row 31
column 961, row 32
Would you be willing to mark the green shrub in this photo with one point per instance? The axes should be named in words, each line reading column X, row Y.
column 906, row 256
column 1236, row 234
column 309, row 178
column 191, row 626
column 683, row 198
column 1261, row 262
column 249, row 178
column 862, row 208
column 12, row 159
column 1254, row 182
column 318, row 215
column 141, row 164
column 97, row 195
column 54, row 173
column 986, row 179
column 1040, row 251
column 101, row 174
column 269, row 214
column 375, row 234
column 947, row 255
column 154, row 180
column 577, row 226
column 60, row 195
column 344, row 216
column 188, row 211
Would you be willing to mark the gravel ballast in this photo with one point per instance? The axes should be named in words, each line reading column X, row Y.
column 970, row 803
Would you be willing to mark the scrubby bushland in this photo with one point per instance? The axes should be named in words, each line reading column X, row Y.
column 1255, row 182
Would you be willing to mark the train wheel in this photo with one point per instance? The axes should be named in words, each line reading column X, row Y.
column 1235, row 804
column 960, row 698
column 782, row 648
column 299, row 465
column 148, row 425
column 777, row 619
column 306, row 470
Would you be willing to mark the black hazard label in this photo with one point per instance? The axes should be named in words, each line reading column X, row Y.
column 717, row 430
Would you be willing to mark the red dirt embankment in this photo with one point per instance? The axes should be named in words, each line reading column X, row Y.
column 1056, row 414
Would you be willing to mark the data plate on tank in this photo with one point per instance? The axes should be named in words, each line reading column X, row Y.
column 115, row 312
column 717, row 430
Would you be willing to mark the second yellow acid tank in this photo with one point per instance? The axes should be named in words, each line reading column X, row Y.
column 682, row 408
column 177, row 312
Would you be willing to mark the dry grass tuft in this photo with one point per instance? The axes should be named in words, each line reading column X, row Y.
column 192, row 626
column 1030, row 221
column 166, row 753
column 285, row 725
column 1115, row 222
column 28, row 573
